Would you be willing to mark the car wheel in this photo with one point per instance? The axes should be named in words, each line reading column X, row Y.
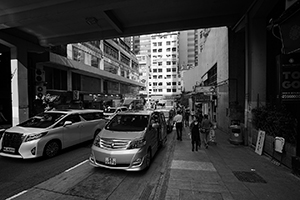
column 51, row 149
column 148, row 159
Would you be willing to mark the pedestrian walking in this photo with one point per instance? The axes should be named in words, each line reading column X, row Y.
column 187, row 117
column 195, row 133
column 178, row 123
column 199, row 115
column 205, row 129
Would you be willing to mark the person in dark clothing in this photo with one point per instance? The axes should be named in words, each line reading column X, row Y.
column 187, row 117
column 195, row 133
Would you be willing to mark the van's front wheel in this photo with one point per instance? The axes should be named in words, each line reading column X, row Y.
column 51, row 149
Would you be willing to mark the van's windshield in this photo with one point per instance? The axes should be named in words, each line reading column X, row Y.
column 42, row 120
column 128, row 123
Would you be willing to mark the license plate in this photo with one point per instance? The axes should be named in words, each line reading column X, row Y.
column 110, row 161
column 9, row 149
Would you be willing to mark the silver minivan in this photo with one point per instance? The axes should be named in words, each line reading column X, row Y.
column 129, row 140
column 47, row 133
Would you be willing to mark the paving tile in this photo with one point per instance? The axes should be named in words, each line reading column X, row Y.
column 204, row 187
column 192, row 165
column 194, row 175
column 197, row 195
column 179, row 184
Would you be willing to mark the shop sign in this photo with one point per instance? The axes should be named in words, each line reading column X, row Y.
column 200, row 97
column 205, row 89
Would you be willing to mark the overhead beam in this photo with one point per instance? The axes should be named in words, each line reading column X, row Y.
column 113, row 21
column 198, row 23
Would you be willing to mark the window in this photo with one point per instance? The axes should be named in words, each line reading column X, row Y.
column 154, row 90
column 159, row 43
column 154, row 70
column 168, row 43
column 159, row 70
column 160, row 83
column 174, row 75
column 168, row 49
column 92, row 116
column 168, row 62
column 168, row 76
column 168, row 83
column 154, row 50
column 149, row 83
column 154, row 83
column 110, row 50
column 168, row 90
column 173, row 83
column 159, row 50
column 168, row 69
column 179, row 83
column 174, row 49
column 159, row 90
column 155, row 77
column 159, row 63
column 174, row 69
column 160, row 77
column 173, row 90
column 173, row 62
column 154, row 44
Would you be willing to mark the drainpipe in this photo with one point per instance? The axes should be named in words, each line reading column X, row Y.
column 247, row 72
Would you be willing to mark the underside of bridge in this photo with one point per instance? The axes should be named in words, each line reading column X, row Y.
column 51, row 23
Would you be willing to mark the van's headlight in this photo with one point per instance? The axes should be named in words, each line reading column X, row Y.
column 1, row 132
column 35, row 136
column 97, row 141
column 136, row 144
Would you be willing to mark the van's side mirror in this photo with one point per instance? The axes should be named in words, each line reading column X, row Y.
column 67, row 123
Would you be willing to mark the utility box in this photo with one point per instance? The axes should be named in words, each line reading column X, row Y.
column 235, row 132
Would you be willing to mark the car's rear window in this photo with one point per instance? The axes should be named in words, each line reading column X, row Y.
column 128, row 123
column 42, row 120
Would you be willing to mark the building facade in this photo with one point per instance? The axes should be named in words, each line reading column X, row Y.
column 81, row 75
column 164, row 77
column 207, row 83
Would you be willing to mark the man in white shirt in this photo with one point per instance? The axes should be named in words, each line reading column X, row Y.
column 178, row 120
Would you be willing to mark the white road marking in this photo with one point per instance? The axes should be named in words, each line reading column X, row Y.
column 76, row 166
column 191, row 165
column 15, row 196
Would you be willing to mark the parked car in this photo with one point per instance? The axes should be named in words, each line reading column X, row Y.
column 168, row 118
column 110, row 111
column 47, row 133
column 129, row 140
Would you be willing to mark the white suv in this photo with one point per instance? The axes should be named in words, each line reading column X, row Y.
column 47, row 133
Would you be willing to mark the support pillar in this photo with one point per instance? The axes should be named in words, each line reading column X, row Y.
column 19, row 85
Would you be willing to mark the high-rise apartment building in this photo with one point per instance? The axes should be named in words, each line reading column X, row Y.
column 164, row 76
column 188, row 48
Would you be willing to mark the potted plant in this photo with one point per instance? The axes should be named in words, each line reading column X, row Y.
column 276, row 121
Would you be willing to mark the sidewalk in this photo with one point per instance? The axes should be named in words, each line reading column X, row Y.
column 226, row 171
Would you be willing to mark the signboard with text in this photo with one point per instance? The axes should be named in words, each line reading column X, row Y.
column 289, row 79
column 260, row 142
